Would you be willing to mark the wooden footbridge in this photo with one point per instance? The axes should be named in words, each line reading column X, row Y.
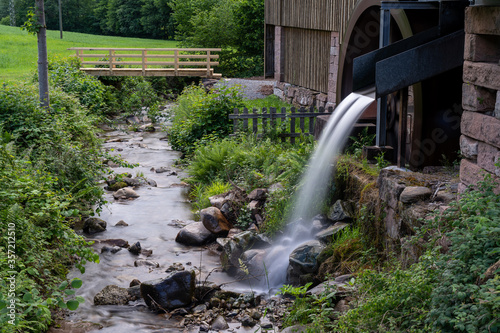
column 148, row 62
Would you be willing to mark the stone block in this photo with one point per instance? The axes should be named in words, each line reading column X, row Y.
column 487, row 157
column 471, row 174
column 468, row 147
column 481, row 127
column 476, row 98
column 482, row 20
column 482, row 74
column 482, row 48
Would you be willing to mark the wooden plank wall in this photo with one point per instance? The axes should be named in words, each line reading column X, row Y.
column 327, row 15
column 307, row 57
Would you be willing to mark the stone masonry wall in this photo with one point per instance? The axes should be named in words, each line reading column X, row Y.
column 480, row 126
column 301, row 96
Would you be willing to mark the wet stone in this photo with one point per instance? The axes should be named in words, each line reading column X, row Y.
column 147, row 263
column 121, row 223
column 112, row 295
column 135, row 248
column 247, row 321
column 94, row 225
column 174, row 291
column 219, row 323
column 135, row 282
column 413, row 194
column 107, row 249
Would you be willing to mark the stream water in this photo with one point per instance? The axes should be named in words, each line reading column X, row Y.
column 315, row 182
column 152, row 221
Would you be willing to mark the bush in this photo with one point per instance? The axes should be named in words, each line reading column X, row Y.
column 444, row 292
column 65, row 74
column 200, row 115
column 49, row 167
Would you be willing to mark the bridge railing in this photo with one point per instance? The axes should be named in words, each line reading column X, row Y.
column 148, row 61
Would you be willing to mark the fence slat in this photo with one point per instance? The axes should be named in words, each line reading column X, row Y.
column 245, row 120
column 264, row 120
column 272, row 111
column 277, row 117
column 311, row 121
column 301, row 121
column 292, row 126
column 235, row 120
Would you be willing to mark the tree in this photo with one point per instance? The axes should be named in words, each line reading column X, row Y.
column 43, row 65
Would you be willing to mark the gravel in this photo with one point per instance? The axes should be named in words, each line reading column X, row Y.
column 252, row 89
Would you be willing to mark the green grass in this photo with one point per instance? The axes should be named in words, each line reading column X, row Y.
column 18, row 51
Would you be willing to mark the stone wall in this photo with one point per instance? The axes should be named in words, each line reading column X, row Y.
column 480, row 126
column 300, row 96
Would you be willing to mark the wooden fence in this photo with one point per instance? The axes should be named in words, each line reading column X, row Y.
column 302, row 120
column 147, row 62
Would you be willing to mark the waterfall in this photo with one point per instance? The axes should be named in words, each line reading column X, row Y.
column 314, row 183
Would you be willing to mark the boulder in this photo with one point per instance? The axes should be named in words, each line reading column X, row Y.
column 259, row 194
column 115, row 186
column 413, row 194
column 219, row 324
column 174, row 291
column 94, row 225
column 135, row 248
column 254, row 260
column 134, row 182
column 112, row 295
column 339, row 212
column 125, row 193
column 303, row 260
column 214, row 221
column 232, row 249
column 326, row 236
column 195, row 234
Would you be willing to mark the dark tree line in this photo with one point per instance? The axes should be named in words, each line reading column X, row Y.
column 130, row 18
column 236, row 26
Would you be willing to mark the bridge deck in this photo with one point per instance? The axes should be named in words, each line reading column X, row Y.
column 148, row 62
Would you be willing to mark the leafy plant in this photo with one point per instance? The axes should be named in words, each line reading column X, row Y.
column 203, row 115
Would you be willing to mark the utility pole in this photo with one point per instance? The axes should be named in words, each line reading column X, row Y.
column 43, row 66
column 60, row 19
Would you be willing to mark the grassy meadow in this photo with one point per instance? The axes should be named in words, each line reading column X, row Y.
column 18, row 49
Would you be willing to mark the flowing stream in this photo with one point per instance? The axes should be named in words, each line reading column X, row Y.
column 315, row 182
column 153, row 221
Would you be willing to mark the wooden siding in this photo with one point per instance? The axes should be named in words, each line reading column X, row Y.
column 327, row 15
column 307, row 56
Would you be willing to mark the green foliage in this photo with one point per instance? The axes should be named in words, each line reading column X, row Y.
column 444, row 292
column 34, row 215
column 31, row 25
column 358, row 142
column 5, row 20
column 239, row 31
column 314, row 310
column 202, row 115
column 65, row 73
column 201, row 194
column 252, row 163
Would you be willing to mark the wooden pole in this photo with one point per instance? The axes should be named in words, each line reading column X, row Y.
column 43, row 65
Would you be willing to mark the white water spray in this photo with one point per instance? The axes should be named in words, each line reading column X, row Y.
column 315, row 182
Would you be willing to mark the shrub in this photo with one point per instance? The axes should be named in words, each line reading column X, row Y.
column 202, row 115
column 65, row 73
column 444, row 292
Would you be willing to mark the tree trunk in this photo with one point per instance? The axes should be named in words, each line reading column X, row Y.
column 43, row 66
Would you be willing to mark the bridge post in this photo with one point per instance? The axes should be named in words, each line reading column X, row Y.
column 176, row 62
column 208, row 63
column 144, row 61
